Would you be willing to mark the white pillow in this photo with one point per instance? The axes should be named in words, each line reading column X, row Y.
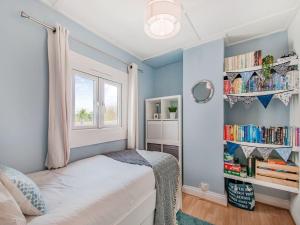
column 10, row 213
column 24, row 190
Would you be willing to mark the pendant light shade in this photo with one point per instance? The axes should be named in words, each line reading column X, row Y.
column 162, row 18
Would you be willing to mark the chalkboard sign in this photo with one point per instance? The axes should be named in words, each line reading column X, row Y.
column 241, row 195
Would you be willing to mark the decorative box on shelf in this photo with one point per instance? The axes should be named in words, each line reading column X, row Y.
column 279, row 174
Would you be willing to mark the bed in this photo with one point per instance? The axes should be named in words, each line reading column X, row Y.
column 108, row 192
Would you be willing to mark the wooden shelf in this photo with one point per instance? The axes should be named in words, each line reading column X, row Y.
column 252, row 180
column 255, row 68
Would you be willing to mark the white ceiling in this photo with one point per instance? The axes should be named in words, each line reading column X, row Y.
column 121, row 21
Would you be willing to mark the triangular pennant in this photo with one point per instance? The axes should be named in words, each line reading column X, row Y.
column 265, row 152
column 265, row 99
column 246, row 100
column 284, row 97
column 282, row 69
column 247, row 150
column 232, row 100
column 232, row 147
column 284, row 153
column 246, row 76
column 231, row 76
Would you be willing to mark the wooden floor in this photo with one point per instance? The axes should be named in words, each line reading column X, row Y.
column 221, row 215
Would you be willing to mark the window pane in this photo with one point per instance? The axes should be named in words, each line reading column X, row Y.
column 84, row 101
column 111, row 117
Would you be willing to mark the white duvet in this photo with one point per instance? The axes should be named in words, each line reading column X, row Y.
column 94, row 191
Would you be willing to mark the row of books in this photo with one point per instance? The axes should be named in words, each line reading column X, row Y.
column 247, row 60
column 232, row 169
column 240, row 85
column 258, row 134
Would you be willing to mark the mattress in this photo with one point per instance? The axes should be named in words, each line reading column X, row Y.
column 93, row 191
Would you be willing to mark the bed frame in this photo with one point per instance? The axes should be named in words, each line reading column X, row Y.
column 143, row 214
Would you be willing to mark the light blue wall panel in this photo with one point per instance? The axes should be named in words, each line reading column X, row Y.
column 24, row 83
column 168, row 80
column 203, row 123
column 275, row 44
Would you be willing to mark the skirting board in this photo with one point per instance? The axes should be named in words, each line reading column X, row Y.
column 207, row 195
column 273, row 201
column 222, row 199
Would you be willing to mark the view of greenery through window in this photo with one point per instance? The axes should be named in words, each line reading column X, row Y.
column 84, row 102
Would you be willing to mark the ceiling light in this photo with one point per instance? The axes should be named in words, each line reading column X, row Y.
column 162, row 18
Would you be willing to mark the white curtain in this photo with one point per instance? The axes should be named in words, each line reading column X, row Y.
column 60, row 84
column 133, row 119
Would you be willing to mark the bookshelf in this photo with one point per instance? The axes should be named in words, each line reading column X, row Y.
column 292, row 62
column 293, row 122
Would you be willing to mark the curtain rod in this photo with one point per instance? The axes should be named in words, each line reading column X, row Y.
column 26, row 16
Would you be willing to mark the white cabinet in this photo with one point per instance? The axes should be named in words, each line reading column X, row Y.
column 164, row 134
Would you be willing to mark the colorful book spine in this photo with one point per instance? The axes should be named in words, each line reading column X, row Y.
column 256, row 134
column 243, row 61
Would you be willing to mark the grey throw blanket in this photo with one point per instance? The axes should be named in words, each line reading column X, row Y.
column 166, row 172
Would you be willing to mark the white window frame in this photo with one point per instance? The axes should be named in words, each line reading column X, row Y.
column 100, row 134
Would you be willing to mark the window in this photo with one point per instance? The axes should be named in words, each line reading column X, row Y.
column 85, row 99
column 95, row 96
column 99, row 102
column 111, row 103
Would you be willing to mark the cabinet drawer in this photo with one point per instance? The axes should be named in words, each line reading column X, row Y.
column 154, row 130
column 172, row 149
column 154, row 147
column 170, row 130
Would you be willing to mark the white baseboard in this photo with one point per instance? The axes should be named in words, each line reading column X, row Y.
column 222, row 199
column 207, row 195
column 273, row 201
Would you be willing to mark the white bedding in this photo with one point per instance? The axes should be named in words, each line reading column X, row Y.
column 94, row 191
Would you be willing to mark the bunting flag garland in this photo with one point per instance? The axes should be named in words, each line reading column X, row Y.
column 284, row 153
column 282, row 68
column 247, row 150
column 247, row 100
column 284, row 97
column 265, row 99
column 232, row 147
column 231, row 76
column 265, row 152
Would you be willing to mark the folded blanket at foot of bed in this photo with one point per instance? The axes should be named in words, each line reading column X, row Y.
column 166, row 171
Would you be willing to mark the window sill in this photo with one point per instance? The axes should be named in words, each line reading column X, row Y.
column 86, row 137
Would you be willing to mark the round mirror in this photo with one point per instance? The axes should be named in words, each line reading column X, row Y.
column 203, row 91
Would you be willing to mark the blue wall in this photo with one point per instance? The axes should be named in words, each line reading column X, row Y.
column 24, row 83
column 168, row 80
column 276, row 45
column 203, row 123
